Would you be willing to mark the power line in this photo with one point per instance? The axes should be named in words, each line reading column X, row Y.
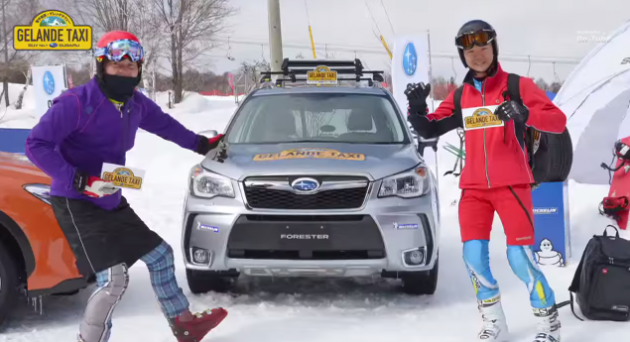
column 388, row 19
column 377, row 51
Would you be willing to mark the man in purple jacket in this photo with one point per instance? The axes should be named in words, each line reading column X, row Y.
column 90, row 125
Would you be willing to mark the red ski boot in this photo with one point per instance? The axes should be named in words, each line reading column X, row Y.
column 201, row 324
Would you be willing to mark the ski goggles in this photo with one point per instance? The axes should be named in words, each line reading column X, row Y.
column 479, row 38
column 119, row 49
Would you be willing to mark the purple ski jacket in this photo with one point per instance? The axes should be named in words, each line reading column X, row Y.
column 83, row 129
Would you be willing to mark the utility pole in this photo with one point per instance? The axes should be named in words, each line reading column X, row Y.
column 275, row 34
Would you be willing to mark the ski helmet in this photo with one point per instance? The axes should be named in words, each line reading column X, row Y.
column 476, row 32
column 116, row 45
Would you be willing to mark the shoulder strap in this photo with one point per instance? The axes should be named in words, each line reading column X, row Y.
column 514, row 87
column 457, row 101
column 514, row 92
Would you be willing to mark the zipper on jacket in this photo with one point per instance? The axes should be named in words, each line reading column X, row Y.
column 485, row 151
column 121, row 109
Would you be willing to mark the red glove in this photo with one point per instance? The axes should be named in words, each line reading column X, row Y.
column 92, row 186
column 205, row 145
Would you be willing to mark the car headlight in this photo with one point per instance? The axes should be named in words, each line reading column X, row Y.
column 41, row 191
column 204, row 183
column 411, row 183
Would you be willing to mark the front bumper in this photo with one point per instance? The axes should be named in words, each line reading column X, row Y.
column 374, row 239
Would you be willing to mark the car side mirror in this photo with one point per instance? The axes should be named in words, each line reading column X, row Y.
column 209, row 134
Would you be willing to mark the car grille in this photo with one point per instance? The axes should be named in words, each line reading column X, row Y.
column 260, row 237
column 269, row 198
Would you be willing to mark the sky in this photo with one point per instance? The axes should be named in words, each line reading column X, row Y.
column 561, row 30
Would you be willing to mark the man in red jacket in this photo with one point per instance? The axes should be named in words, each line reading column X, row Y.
column 497, row 176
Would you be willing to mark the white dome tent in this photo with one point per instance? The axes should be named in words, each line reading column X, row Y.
column 596, row 99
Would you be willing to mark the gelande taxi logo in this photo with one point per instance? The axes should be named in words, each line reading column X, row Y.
column 482, row 117
column 123, row 177
column 305, row 184
column 52, row 30
column 410, row 59
column 310, row 153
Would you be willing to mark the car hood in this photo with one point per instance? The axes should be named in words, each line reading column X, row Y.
column 374, row 161
column 15, row 162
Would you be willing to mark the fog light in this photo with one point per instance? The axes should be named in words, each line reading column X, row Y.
column 200, row 256
column 414, row 257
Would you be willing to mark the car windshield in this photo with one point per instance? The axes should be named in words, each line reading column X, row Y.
column 317, row 117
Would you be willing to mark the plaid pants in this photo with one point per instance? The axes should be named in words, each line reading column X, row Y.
column 161, row 265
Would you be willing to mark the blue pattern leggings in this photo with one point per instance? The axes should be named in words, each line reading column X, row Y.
column 112, row 283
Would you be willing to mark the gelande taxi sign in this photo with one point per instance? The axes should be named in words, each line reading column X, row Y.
column 322, row 75
column 52, row 30
column 310, row 153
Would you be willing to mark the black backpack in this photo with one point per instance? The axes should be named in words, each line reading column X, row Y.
column 550, row 155
column 602, row 279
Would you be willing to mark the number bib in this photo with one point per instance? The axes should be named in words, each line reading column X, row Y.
column 480, row 117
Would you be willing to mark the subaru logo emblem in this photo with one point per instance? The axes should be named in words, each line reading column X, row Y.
column 48, row 83
column 410, row 59
column 305, row 184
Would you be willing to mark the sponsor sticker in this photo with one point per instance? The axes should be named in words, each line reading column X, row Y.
column 480, row 117
column 406, row 225
column 545, row 210
column 123, row 176
column 322, row 75
column 310, row 153
column 207, row 227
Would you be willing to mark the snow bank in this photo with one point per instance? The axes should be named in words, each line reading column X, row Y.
column 23, row 118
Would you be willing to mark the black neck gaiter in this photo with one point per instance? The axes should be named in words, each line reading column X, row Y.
column 119, row 88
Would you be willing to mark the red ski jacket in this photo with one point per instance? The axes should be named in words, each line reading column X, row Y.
column 495, row 156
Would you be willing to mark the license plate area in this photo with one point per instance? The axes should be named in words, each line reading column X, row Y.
column 330, row 237
column 304, row 236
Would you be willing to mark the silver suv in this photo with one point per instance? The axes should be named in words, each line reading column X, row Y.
column 317, row 176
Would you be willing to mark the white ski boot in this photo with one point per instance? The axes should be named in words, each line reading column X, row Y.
column 548, row 328
column 494, row 323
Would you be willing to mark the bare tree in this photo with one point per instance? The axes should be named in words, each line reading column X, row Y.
column 542, row 84
column 555, row 86
column 190, row 25
column 5, row 39
column 136, row 16
column 14, row 12
column 20, row 100
column 252, row 71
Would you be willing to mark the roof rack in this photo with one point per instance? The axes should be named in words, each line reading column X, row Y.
column 299, row 71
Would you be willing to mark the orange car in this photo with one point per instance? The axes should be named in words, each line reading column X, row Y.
column 35, row 258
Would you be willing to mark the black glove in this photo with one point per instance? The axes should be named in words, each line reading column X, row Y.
column 205, row 145
column 417, row 94
column 512, row 110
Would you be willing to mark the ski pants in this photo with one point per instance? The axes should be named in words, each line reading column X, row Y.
column 112, row 283
column 515, row 209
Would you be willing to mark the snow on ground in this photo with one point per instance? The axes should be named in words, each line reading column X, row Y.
column 308, row 310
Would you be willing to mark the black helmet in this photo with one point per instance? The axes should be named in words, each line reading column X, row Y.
column 485, row 34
